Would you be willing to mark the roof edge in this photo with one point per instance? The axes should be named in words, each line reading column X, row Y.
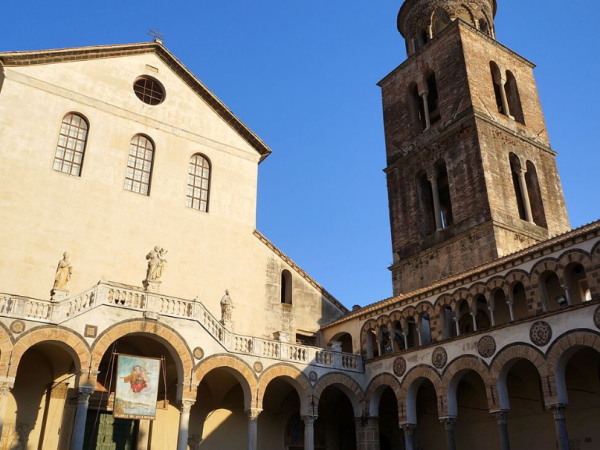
column 593, row 227
column 300, row 271
column 53, row 56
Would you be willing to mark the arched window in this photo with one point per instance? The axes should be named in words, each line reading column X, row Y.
column 553, row 294
column 71, row 145
column 535, row 196
column 513, row 98
column 139, row 165
column 441, row 19
column 484, row 27
column 286, row 287
column 498, row 89
column 423, row 37
column 198, row 183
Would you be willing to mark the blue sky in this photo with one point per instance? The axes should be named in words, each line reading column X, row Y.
column 303, row 74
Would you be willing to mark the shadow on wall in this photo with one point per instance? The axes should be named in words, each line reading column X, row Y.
column 2, row 76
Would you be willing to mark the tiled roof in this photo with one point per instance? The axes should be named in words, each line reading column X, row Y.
column 496, row 265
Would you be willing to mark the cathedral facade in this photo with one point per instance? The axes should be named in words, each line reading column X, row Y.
column 141, row 309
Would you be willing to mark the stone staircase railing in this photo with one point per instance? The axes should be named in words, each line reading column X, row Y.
column 115, row 295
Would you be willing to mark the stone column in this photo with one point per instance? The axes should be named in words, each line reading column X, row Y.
column 253, row 428
column 449, row 427
column 503, row 96
column 437, row 210
column 426, row 107
column 525, row 193
column 5, row 388
column 501, row 419
column 83, row 400
column 309, row 432
column 492, row 316
column 409, row 431
column 510, row 301
column 474, row 316
column 561, row 426
column 457, row 324
column 567, row 290
column 184, row 424
column 367, row 433
column 143, row 437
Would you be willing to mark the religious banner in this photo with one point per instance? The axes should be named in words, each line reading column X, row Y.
column 137, row 387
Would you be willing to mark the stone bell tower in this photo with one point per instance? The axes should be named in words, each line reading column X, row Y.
column 471, row 174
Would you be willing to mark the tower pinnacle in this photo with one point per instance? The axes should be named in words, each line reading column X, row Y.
column 419, row 21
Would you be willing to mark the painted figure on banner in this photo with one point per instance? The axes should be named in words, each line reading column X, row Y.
column 137, row 387
column 137, row 379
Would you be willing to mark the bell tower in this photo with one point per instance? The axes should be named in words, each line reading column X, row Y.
column 470, row 170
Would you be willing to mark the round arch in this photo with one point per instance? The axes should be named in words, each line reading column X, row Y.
column 172, row 340
column 6, row 349
column 561, row 352
column 73, row 343
column 294, row 377
column 346, row 384
column 410, row 388
column 506, row 359
column 375, row 389
column 236, row 367
column 454, row 374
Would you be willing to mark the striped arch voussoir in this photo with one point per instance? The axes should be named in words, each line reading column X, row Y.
column 300, row 381
column 166, row 335
column 384, row 379
column 61, row 336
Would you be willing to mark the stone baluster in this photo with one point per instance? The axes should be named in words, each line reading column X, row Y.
column 309, row 432
column 501, row 419
column 83, row 400
column 184, row 423
column 253, row 414
column 561, row 426
column 449, row 427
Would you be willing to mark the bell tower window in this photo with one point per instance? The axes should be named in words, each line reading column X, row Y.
column 513, row 98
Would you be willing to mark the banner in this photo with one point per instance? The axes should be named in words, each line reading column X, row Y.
column 137, row 387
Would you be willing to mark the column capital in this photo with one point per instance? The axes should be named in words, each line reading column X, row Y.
column 448, row 422
column 83, row 394
column 558, row 409
column 501, row 416
column 6, row 387
column 309, row 420
column 408, row 428
column 186, row 405
column 253, row 414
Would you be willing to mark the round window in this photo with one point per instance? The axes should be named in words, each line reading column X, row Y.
column 149, row 90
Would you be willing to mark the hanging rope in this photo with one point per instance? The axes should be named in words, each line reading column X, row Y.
column 111, row 365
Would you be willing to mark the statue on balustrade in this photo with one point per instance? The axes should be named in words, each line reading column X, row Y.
column 226, row 309
column 156, row 264
column 63, row 273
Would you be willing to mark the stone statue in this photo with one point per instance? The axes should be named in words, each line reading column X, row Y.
column 63, row 273
column 156, row 263
column 226, row 308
